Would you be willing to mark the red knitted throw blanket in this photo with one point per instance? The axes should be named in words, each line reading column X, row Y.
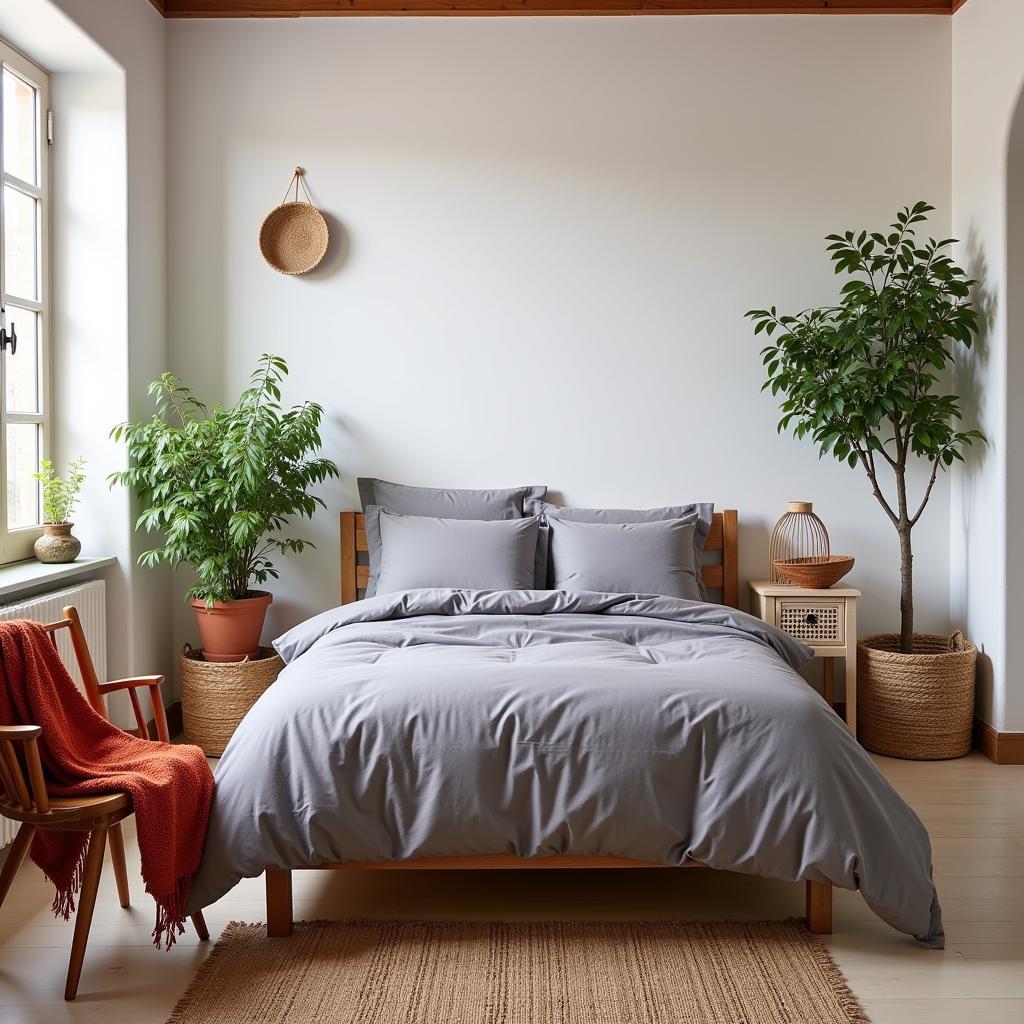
column 84, row 754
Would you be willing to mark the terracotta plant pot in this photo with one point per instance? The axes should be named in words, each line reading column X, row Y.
column 230, row 630
column 57, row 545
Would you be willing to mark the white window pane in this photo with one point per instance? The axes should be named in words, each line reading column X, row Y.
column 22, row 462
column 20, row 223
column 19, row 128
column 22, row 369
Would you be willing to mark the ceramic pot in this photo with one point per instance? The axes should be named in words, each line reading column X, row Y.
column 57, row 545
column 230, row 630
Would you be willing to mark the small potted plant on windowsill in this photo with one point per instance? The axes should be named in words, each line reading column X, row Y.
column 220, row 485
column 864, row 380
column 58, row 545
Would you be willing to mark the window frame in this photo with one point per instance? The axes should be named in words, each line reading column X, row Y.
column 16, row 544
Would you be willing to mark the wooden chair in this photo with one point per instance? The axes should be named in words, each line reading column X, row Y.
column 23, row 796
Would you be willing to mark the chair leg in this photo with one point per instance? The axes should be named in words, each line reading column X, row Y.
column 86, row 905
column 199, row 923
column 15, row 858
column 116, row 839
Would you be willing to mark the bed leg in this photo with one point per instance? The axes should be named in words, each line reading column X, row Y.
column 279, row 902
column 819, row 907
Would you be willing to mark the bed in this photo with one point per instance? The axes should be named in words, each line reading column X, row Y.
column 446, row 729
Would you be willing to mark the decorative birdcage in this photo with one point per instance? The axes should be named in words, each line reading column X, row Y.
column 798, row 534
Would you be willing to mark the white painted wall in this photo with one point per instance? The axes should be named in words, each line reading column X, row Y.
column 109, row 273
column 133, row 34
column 987, row 551
column 89, row 337
column 545, row 235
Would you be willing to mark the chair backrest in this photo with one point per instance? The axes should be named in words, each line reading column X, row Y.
column 22, row 784
column 73, row 624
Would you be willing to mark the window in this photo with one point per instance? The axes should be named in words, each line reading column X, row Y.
column 25, row 297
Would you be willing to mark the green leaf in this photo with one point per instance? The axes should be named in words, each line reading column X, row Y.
column 870, row 373
column 219, row 483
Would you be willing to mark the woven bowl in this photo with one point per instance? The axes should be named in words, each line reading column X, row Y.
column 817, row 573
column 294, row 237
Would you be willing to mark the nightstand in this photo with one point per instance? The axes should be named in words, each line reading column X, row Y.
column 825, row 620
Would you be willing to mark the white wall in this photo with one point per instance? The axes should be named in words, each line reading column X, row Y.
column 545, row 233
column 133, row 34
column 988, row 494
column 109, row 273
column 89, row 325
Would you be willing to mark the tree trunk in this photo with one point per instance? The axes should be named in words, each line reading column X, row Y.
column 906, row 589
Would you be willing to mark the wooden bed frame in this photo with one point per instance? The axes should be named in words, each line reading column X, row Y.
column 721, row 575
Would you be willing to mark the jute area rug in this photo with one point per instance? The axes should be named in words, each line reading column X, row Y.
column 416, row 972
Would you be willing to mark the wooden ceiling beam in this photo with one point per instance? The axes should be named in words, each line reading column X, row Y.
column 450, row 8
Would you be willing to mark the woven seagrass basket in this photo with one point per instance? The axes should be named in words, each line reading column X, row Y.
column 216, row 696
column 918, row 706
column 294, row 238
column 294, row 235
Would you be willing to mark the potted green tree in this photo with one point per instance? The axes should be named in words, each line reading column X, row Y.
column 865, row 380
column 220, row 485
column 60, row 496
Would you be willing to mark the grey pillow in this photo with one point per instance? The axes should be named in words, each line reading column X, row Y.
column 449, row 503
column 703, row 510
column 468, row 554
column 625, row 558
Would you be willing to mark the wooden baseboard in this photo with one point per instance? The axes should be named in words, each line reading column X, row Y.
column 998, row 747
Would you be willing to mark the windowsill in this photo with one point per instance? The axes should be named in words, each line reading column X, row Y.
column 24, row 577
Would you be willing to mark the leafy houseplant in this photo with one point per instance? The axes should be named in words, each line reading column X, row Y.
column 862, row 378
column 60, row 496
column 220, row 485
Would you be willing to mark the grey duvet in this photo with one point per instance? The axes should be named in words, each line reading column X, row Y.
column 431, row 723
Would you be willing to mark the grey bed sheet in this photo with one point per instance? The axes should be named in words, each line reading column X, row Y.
column 430, row 723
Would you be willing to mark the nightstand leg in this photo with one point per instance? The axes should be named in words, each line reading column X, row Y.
column 827, row 680
column 851, row 692
column 851, row 666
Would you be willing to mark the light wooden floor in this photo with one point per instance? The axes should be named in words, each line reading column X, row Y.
column 973, row 809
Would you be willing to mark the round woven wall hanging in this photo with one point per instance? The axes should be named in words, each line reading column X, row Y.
column 294, row 235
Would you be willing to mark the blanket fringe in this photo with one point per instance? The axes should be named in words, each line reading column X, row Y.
column 64, row 893
column 170, row 909
column 170, row 913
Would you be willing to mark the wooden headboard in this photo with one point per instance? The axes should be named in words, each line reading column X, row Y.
column 722, row 575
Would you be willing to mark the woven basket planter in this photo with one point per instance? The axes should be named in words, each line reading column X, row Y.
column 216, row 696
column 918, row 706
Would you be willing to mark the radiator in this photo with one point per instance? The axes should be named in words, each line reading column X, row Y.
column 90, row 600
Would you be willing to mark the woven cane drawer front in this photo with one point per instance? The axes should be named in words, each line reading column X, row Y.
column 813, row 622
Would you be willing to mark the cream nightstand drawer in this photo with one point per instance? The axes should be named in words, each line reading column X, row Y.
column 825, row 620
column 815, row 622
